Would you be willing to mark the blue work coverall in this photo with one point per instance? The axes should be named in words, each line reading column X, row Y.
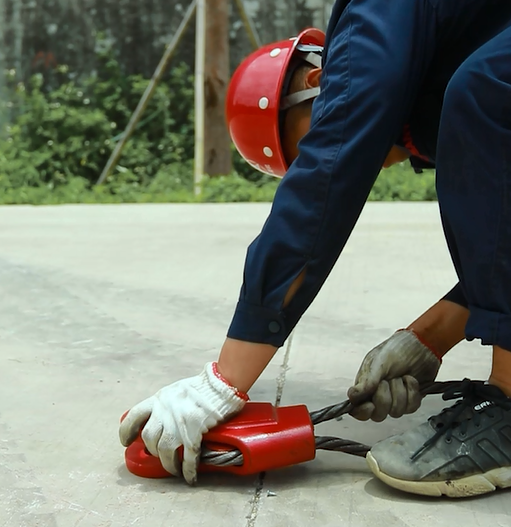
column 440, row 68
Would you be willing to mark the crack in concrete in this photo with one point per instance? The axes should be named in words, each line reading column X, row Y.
column 281, row 381
column 252, row 517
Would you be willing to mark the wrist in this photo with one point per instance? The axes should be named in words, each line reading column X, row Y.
column 215, row 393
column 220, row 377
column 441, row 327
column 420, row 338
column 241, row 363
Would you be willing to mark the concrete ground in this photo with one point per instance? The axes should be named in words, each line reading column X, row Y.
column 100, row 306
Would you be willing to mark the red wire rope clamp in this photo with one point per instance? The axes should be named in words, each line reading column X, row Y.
column 267, row 437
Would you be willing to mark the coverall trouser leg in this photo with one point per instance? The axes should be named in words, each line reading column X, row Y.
column 474, row 186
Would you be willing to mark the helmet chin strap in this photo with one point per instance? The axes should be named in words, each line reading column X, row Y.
column 300, row 96
column 310, row 93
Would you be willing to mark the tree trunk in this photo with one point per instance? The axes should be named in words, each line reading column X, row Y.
column 17, row 27
column 3, row 63
column 3, row 67
column 217, row 144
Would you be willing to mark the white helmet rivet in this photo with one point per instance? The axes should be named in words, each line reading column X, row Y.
column 263, row 103
column 268, row 152
column 275, row 52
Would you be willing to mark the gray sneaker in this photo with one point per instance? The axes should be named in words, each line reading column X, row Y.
column 463, row 451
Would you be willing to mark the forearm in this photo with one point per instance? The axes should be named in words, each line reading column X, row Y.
column 241, row 363
column 442, row 326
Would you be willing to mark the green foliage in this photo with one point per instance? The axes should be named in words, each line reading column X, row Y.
column 401, row 183
column 234, row 188
column 165, row 188
column 53, row 136
column 174, row 185
column 70, row 131
column 59, row 138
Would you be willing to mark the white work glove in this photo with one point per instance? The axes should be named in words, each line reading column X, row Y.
column 388, row 380
column 178, row 415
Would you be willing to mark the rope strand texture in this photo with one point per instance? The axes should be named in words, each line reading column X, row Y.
column 337, row 444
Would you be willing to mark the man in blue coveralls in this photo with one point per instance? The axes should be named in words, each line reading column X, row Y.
column 424, row 79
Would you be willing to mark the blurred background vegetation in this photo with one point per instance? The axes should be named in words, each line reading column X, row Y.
column 74, row 71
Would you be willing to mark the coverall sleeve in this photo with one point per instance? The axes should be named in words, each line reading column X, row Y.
column 374, row 61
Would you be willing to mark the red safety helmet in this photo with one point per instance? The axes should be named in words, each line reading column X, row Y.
column 255, row 98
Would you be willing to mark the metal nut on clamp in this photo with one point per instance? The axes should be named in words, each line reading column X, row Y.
column 266, row 437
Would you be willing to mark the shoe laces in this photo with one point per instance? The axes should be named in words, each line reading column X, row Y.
column 463, row 412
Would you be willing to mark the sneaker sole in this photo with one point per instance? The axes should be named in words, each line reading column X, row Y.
column 457, row 488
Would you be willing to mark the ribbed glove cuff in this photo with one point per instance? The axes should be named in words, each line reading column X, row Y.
column 421, row 340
